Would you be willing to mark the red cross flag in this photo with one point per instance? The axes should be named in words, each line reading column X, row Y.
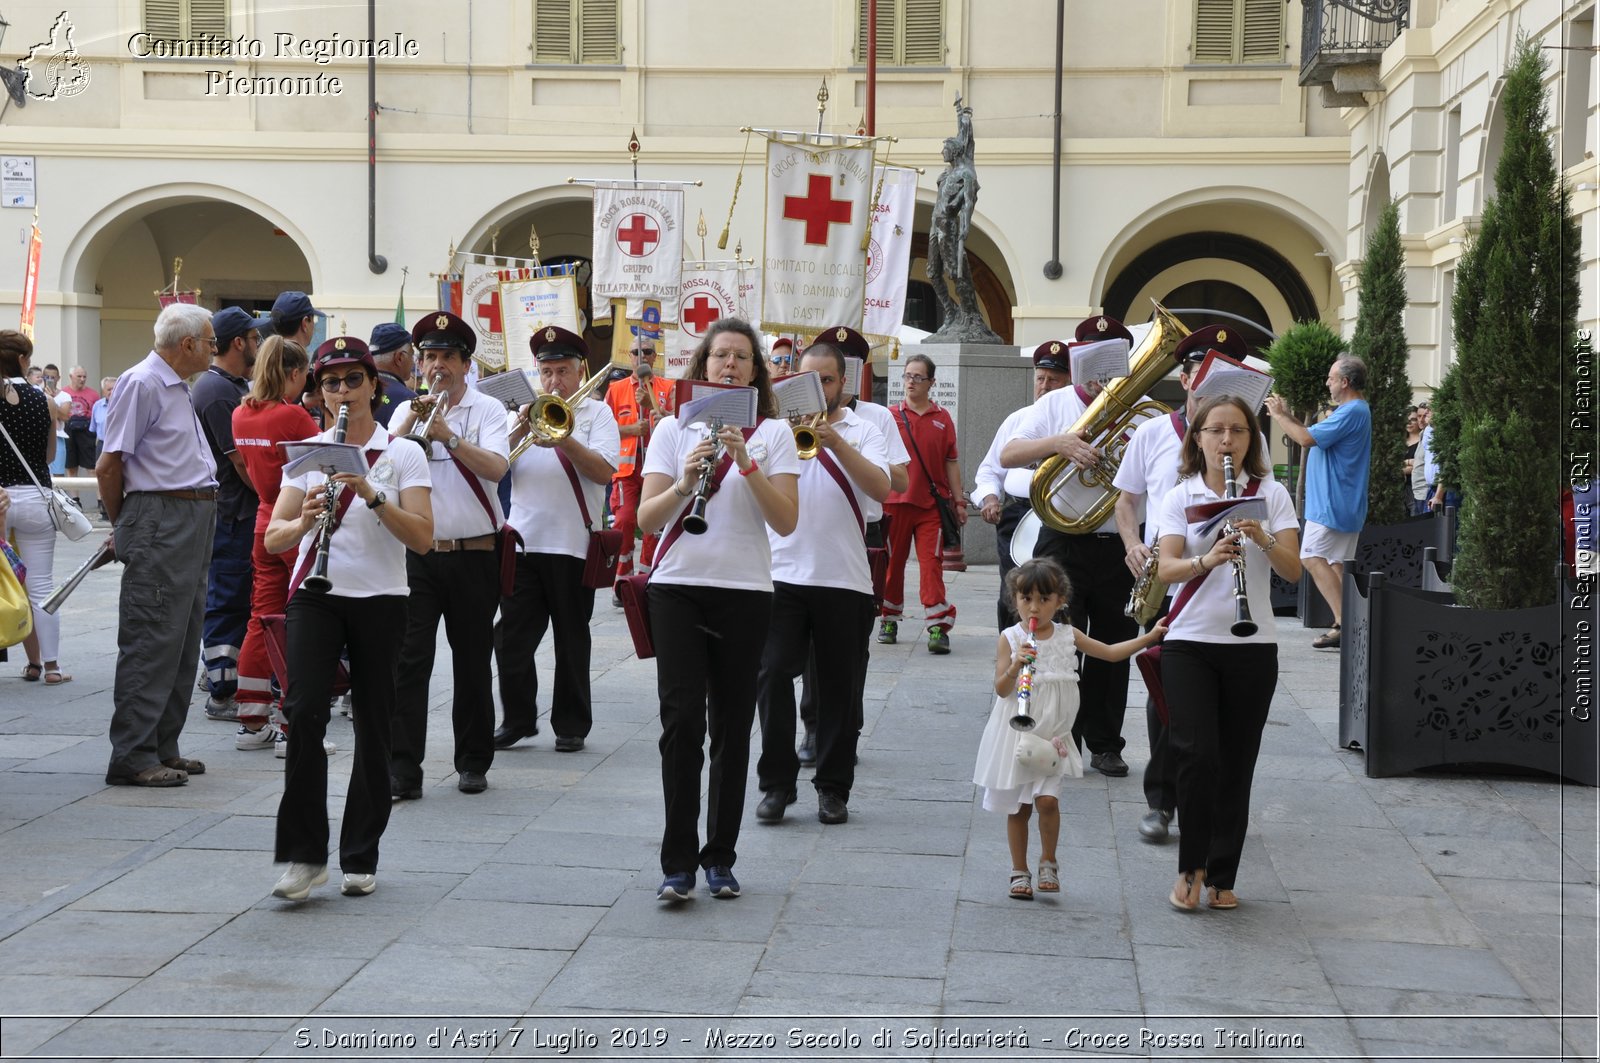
column 638, row 244
column 818, row 193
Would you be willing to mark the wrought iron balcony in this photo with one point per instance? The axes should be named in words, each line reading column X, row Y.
column 1346, row 32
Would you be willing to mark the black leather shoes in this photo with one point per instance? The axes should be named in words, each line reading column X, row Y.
column 568, row 743
column 506, row 737
column 808, row 749
column 472, row 782
column 397, row 792
column 1109, row 764
column 773, row 802
column 1153, row 827
column 831, row 807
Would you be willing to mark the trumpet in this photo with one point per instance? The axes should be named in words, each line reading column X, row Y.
column 1023, row 719
column 806, row 442
column 419, row 434
column 1243, row 626
column 549, row 418
column 1144, row 602
column 694, row 522
column 317, row 581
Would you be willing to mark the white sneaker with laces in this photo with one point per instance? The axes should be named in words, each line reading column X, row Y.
column 265, row 737
column 297, row 882
column 358, row 885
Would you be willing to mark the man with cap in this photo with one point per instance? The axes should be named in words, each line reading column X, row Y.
column 1149, row 470
column 216, row 394
column 822, row 596
column 459, row 578
column 557, row 491
column 294, row 318
column 783, row 355
column 1002, row 493
column 391, row 353
column 637, row 403
column 1093, row 560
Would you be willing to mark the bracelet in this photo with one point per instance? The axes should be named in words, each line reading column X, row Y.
column 753, row 467
column 1195, row 565
column 1272, row 541
column 680, row 494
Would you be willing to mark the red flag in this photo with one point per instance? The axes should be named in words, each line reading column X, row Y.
column 30, row 284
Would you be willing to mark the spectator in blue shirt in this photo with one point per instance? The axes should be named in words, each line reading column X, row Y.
column 97, row 423
column 1338, row 461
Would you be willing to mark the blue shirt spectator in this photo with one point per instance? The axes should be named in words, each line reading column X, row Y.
column 1338, row 466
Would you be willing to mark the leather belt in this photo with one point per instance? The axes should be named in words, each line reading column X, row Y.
column 188, row 494
column 477, row 542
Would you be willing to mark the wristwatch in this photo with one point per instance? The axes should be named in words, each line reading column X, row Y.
column 378, row 500
column 452, row 443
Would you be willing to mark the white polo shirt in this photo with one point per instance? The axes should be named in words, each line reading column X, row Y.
column 543, row 508
column 883, row 420
column 993, row 478
column 826, row 549
column 457, row 513
column 1057, row 412
column 1150, row 468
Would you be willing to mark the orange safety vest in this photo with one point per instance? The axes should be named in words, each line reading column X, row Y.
column 623, row 398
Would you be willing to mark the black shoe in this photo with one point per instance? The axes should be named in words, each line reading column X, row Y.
column 1109, row 764
column 831, row 807
column 773, row 802
column 472, row 782
column 1153, row 827
column 808, row 749
column 568, row 743
column 397, row 792
column 506, row 737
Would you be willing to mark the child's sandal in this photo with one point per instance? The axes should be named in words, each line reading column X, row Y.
column 1021, row 886
column 1049, row 876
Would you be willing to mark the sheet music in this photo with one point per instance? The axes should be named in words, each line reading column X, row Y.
column 1103, row 360
column 799, row 395
column 852, row 375
column 1234, row 509
column 731, row 405
column 325, row 457
column 512, row 388
column 1221, row 375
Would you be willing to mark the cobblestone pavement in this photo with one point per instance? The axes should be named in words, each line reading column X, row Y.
column 1439, row 917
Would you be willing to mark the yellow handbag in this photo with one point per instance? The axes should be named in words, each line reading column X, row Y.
column 16, row 615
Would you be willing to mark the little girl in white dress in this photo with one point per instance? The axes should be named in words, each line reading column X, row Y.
column 1039, row 590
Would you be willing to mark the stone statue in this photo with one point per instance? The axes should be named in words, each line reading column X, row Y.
column 947, row 240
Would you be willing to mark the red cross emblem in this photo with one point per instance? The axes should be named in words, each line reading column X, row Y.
column 818, row 209
column 699, row 312
column 487, row 312
column 639, row 236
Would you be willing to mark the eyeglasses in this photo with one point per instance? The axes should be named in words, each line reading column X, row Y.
column 915, row 378
column 351, row 381
column 209, row 341
column 731, row 352
column 1225, row 430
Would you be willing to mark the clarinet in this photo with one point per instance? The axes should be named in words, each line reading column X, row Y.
column 318, row 580
column 1243, row 626
column 1023, row 719
column 694, row 522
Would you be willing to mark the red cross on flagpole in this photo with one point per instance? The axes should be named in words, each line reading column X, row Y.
column 700, row 313
column 818, row 209
column 638, row 235
column 487, row 312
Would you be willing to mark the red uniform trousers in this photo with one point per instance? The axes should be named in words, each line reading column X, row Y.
column 268, row 594
column 908, row 522
column 625, row 519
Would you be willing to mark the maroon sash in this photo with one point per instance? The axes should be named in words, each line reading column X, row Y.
column 600, row 560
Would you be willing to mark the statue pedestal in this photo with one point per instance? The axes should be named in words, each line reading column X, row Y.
column 980, row 384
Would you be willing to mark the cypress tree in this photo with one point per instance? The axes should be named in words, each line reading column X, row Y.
column 1519, row 307
column 1300, row 358
column 1380, row 342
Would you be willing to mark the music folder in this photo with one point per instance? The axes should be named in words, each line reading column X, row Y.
column 511, row 387
column 702, row 401
column 328, row 458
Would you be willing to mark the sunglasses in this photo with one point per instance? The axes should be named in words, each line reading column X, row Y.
column 351, row 381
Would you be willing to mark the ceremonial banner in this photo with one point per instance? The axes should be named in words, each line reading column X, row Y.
column 30, row 283
column 818, row 192
column 889, row 253
column 710, row 292
column 638, row 249
column 480, row 308
column 749, row 291
column 531, row 302
column 449, row 294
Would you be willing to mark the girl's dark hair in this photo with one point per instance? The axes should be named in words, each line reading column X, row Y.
column 14, row 347
column 1041, row 576
column 766, row 405
column 1192, row 461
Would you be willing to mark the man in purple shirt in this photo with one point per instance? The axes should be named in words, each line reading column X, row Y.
column 159, row 484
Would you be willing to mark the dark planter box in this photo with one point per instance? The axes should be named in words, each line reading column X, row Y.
column 1395, row 549
column 1424, row 683
column 1285, row 597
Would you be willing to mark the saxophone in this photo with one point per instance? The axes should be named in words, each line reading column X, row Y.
column 1149, row 591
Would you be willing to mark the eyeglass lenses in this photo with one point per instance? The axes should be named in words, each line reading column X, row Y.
column 349, row 380
column 914, row 378
column 1229, row 430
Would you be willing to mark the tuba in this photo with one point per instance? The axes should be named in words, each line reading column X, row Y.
column 550, row 418
column 1074, row 500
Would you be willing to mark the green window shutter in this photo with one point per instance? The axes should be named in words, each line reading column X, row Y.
column 208, row 17
column 599, row 31
column 163, row 19
column 1214, row 31
column 552, row 31
column 887, row 21
column 924, row 33
column 1262, row 39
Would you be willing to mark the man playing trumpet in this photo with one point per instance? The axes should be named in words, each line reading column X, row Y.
column 637, row 402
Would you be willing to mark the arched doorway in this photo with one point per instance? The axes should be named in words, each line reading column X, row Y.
column 1211, row 260
column 991, row 276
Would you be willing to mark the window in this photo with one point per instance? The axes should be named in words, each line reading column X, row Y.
column 910, row 32
column 577, row 31
column 1238, row 31
column 1452, row 164
column 171, row 20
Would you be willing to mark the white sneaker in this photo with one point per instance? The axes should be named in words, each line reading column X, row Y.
column 280, row 747
column 296, row 883
column 264, row 737
column 358, row 885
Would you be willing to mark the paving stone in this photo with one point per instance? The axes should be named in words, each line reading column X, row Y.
column 637, row 914
column 505, row 924
column 1023, row 928
column 770, row 992
column 214, row 881
column 1420, row 920
column 571, row 849
column 990, row 981
column 884, row 869
column 413, row 977
column 1168, row 976
column 57, row 994
column 548, row 885
column 694, row 975
column 102, row 943
column 856, row 950
column 223, row 985
column 1403, row 965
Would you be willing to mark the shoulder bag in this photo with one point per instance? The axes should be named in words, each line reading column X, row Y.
column 949, row 526
column 67, row 516
column 600, row 562
column 16, row 614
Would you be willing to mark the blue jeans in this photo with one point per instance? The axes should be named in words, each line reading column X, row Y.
column 228, row 584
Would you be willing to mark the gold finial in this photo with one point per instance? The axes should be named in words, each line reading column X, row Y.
column 533, row 245
column 343, row 331
column 700, row 231
column 494, row 241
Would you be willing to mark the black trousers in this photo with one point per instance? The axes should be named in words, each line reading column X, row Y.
column 1101, row 583
column 463, row 587
column 833, row 625
column 549, row 592
column 319, row 628
column 1011, row 512
column 1219, row 696
column 1161, row 773
column 708, row 652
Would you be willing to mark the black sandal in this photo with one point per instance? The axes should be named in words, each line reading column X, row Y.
column 32, row 672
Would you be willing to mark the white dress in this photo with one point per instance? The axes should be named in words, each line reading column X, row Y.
column 1054, row 704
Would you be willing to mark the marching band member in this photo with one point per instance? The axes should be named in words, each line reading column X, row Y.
column 459, row 577
column 1094, row 560
column 545, row 509
column 1219, row 685
column 710, row 601
column 822, row 596
column 376, row 519
column 1002, row 493
column 636, row 416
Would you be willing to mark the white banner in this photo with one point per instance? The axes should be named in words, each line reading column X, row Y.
column 530, row 303
column 814, row 275
column 480, row 308
column 710, row 291
column 638, row 249
column 889, row 253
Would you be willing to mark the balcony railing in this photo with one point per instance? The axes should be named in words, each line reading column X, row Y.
column 1342, row 32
